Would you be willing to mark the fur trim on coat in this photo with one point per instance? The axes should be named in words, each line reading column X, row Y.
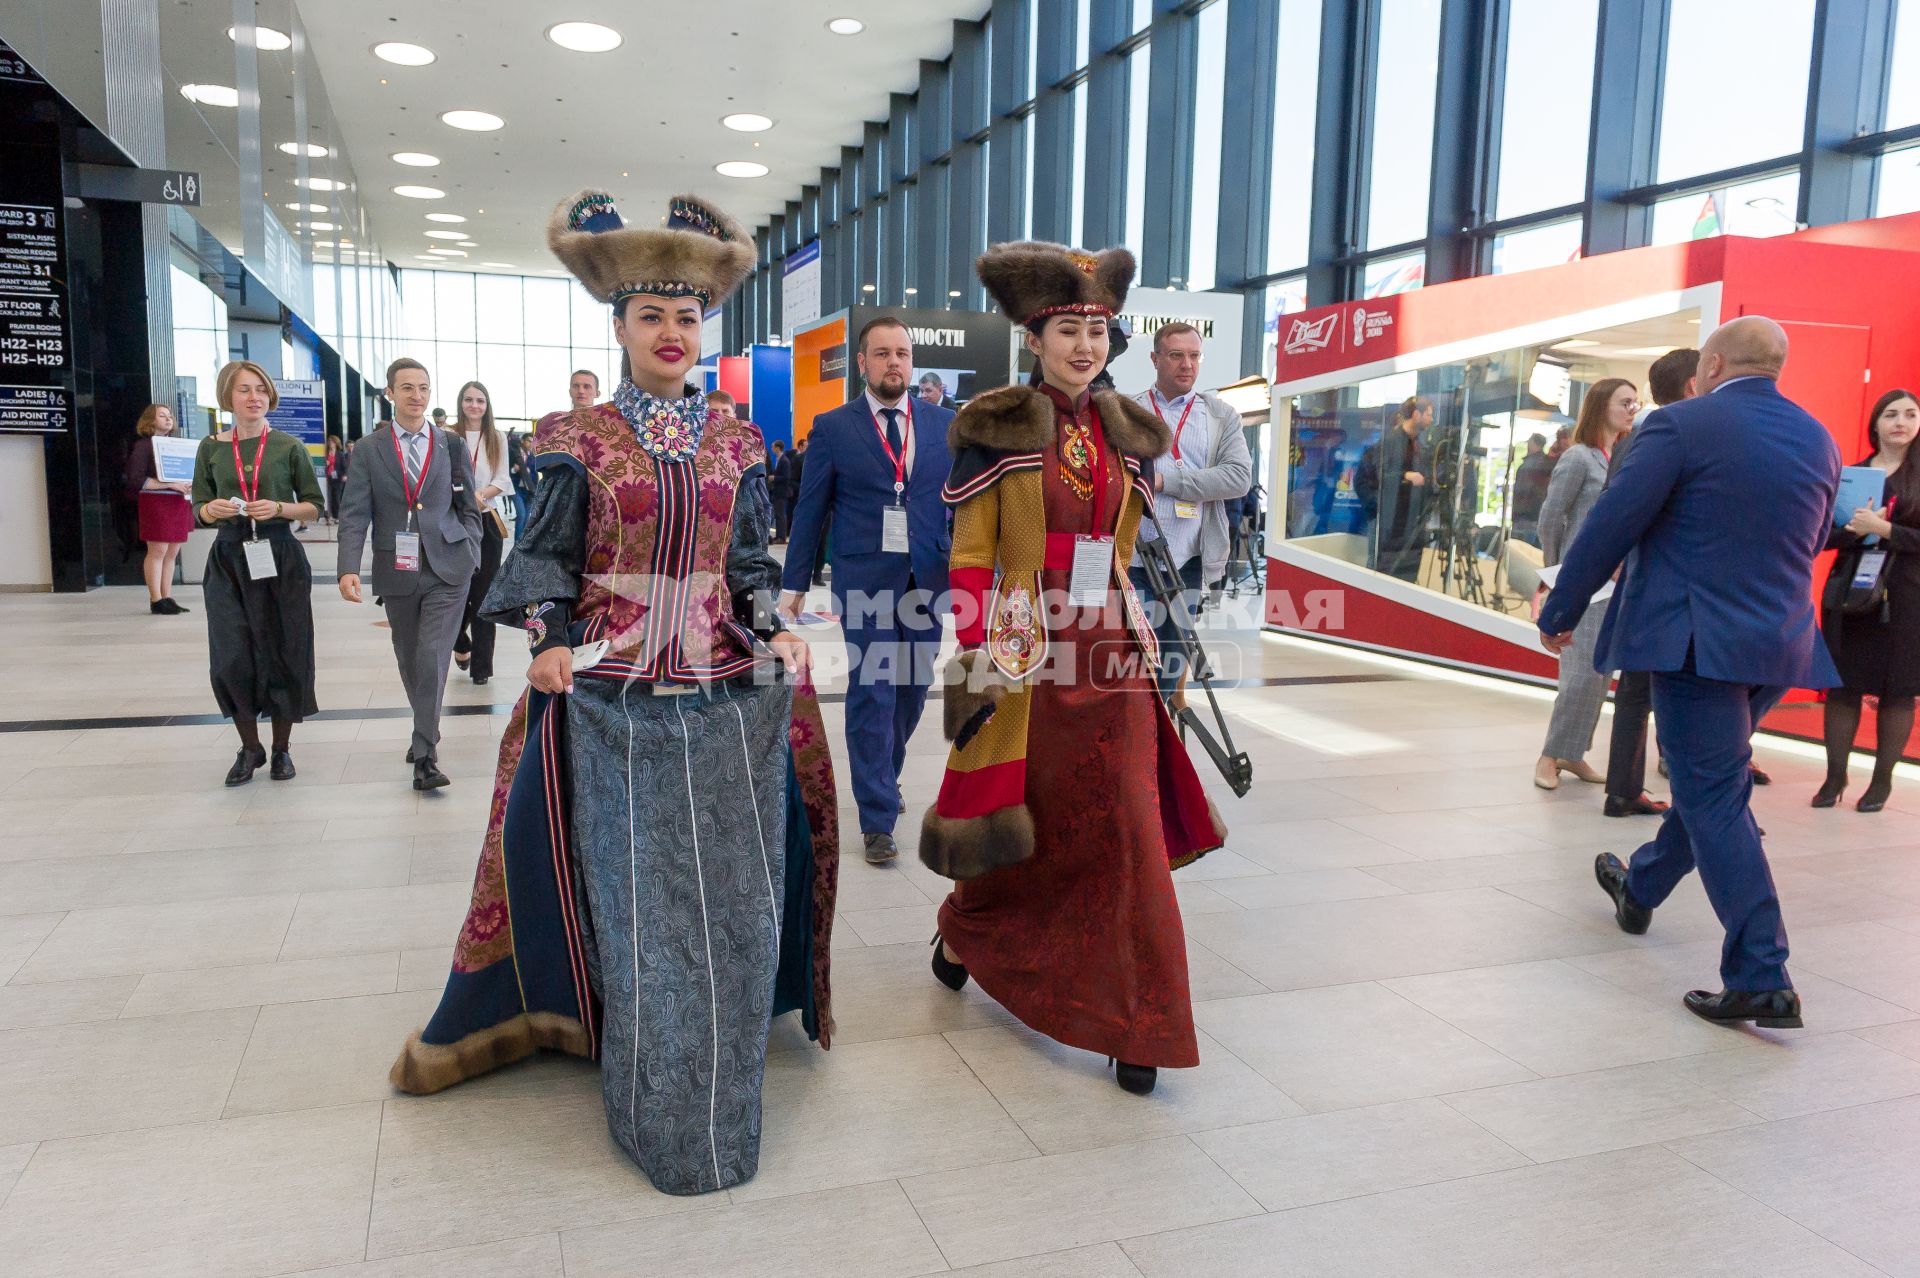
column 967, row 847
column 425, row 1068
column 1020, row 419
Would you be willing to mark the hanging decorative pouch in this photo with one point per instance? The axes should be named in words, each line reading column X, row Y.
column 1866, row 590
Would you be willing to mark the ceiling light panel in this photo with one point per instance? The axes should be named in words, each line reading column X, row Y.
column 312, row 150
column 416, row 159
column 220, row 95
column 320, row 184
column 747, row 122
column 402, row 54
column 446, row 235
column 420, row 192
column 445, row 217
column 266, row 39
column 584, row 37
column 473, row 121
column 846, row 26
column 740, row 169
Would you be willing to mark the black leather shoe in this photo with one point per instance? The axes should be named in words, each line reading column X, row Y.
column 410, row 754
column 481, row 680
column 1769, row 1009
column 1627, row 912
column 1138, row 1079
column 1874, row 797
column 949, row 973
column 245, row 764
column 1829, row 793
column 282, row 765
column 1645, row 805
column 427, row 776
column 1760, row 776
column 903, row 800
column 881, row 849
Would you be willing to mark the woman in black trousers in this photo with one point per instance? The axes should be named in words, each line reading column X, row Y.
column 1877, row 652
column 493, row 489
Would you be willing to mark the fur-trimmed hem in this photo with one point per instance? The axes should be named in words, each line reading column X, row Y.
column 1007, row 419
column 1135, row 431
column 425, row 1068
column 970, row 685
column 964, row 848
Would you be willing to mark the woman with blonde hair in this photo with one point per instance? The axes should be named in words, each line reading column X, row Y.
column 251, row 482
column 166, row 516
column 1606, row 415
column 493, row 489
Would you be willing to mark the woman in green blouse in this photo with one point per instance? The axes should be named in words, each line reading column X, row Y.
column 251, row 482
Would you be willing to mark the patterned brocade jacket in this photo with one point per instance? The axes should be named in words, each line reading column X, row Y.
column 663, row 557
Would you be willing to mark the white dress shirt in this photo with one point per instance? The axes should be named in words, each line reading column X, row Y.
column 485, row 474
column 905, row 406
column 1183, row 534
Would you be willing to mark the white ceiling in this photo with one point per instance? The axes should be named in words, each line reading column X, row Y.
column 650, row 109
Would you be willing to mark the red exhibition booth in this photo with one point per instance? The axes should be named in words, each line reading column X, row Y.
column 1504, row 360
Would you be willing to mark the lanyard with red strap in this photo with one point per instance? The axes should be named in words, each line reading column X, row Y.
column 899, row 459
column 419, row 485
column 249, row 494
column 1153, row 397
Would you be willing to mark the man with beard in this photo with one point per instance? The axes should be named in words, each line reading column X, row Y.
column 875, row 469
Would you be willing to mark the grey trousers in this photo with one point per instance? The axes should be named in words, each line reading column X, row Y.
column 424, row 626
column 1583, row 690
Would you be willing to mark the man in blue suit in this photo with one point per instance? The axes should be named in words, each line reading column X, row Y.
column 875, row 467
column 1718, row 512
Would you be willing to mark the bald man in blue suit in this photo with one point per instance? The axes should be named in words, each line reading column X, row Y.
column 1717, row 513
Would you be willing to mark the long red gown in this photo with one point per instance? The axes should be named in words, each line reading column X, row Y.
column 1082, row 941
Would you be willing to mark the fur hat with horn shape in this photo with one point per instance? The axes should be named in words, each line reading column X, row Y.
column 699, row 252
column 1032, row 280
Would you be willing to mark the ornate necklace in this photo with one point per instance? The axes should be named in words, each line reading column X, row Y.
column 669, row 429
column 1077, row 457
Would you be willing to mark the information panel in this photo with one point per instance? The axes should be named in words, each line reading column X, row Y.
column 36, row 408
column 800, row 289
column 302, row 412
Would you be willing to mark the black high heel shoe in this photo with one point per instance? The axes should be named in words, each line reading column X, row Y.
column 1138, row 1079
column 1829, row 793
column 1875, row 796
column 949, row 973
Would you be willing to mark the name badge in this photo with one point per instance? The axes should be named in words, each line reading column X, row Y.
column 1092, row 571
column 260, row 565
column 1186, row 510
column 893, row 529
column 406, row 552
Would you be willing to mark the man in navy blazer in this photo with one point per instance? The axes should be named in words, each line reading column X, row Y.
column 1718, row 513
column 875, row 467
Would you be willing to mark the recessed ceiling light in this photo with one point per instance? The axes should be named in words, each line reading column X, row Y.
column 320, row 184
column 297, row 207
column 416, row 159
column 402, row 54
column 584, row 37
column 421, row 257
column 446, row 235
column 473, row 121
column 866, row 288
column 846, row 26
column 447, row 252
column 312, row 150
column 740, row 169
column 264, row 38
column 420, row 192
column 320, row 226
column 953, row 292
column 445, row 217
column 220, row 95
column 468, row 244
column 911, row 292
column 505, row 266
column 747, row 122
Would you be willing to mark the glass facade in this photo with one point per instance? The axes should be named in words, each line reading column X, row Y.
column 1304, row 152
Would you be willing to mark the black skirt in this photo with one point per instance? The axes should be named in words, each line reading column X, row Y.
column 260, row 633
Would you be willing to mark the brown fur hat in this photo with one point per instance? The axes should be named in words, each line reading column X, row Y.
column 1032, row 279
column 700, row 252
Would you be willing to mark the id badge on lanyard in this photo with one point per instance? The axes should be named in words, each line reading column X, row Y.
column 1181, row 509
column 260, row 565
column 1092, row 571
column 893, row 519
column 406, row 543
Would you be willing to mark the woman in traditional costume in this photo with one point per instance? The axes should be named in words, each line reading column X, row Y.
column 657, row 876
column 1068, row 798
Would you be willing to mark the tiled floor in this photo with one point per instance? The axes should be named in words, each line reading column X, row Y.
column 1425, row 1048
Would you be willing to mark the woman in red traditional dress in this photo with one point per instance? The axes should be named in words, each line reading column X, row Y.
column 1068, row 798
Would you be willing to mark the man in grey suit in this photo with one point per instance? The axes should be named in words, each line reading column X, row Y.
column 412, row 485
